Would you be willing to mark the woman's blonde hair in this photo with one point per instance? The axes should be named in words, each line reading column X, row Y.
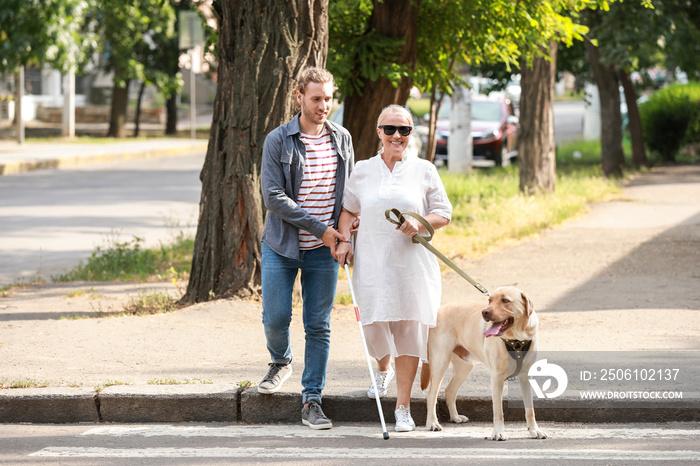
column 395, row 109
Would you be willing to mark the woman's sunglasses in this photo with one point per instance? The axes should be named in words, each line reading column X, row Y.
column 391, row 129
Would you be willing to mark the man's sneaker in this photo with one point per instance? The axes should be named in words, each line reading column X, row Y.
column 312, row 416
column 404, row 421
column 275, row 377
column 382, row 379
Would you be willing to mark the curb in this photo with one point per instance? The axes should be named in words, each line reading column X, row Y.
column 223, row 403
column 16, row 167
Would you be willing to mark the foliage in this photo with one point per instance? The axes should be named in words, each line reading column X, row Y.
column 667, row 115
column 449, row 32
column 36, row 31
column 682, row 47
column 127, row 30
column 128, row 260
column 358, row 53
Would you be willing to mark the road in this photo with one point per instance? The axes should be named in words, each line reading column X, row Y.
column 347, row 444
column 53, row 219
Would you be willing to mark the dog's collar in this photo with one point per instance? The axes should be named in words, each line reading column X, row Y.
column 517, row 349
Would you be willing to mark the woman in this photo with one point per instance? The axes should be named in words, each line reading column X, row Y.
column 397, row 282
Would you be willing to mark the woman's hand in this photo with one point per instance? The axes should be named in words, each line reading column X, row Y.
column 409, row 227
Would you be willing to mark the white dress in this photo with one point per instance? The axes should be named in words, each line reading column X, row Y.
column 395, row 279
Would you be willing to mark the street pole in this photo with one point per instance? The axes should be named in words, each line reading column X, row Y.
column 193, row 87
column 18, row 106
column 68, row 129
column 193, row 98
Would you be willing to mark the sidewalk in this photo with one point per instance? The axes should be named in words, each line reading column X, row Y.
column 18, row 158
column 622, row 278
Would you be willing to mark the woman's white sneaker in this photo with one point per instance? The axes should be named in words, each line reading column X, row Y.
column 382, row 379
column 404, row 421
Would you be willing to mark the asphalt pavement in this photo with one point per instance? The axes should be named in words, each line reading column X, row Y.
column 616, row 287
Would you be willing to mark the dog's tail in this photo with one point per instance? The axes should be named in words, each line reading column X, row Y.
column 424, row 376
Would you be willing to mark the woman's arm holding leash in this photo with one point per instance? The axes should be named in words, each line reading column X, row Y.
column 412, row 227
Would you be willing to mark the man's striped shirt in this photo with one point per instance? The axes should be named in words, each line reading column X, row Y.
column 317, row 193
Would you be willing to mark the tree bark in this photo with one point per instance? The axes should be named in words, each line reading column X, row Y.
column 263, row 46
column 612, row 155
column 171, row 115
column 639, row 155
column 536, row 151
column 137, row 117
column 117, row 119
column 391, row 18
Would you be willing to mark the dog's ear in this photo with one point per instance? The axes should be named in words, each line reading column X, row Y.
column 529, row 307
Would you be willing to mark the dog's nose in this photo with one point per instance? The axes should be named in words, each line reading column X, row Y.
column 486, row 314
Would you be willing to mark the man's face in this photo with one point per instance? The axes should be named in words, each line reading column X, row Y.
column 316, row 102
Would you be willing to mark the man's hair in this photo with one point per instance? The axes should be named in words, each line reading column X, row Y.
column 316, row 75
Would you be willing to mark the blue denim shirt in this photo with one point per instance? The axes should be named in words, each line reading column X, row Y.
column 284, row 155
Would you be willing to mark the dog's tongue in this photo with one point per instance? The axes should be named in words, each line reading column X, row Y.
column 494, row 329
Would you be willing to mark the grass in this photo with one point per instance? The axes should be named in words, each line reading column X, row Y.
column 244, row 385
column 9, row 290
column 130, row 261
column 489, row 211
column 108, row 383
column 150, row 303
column 343, row 299
column 90, row 293
column 23, row 383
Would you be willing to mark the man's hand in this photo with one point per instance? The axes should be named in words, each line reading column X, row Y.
column 344, row 254
column 330, row 238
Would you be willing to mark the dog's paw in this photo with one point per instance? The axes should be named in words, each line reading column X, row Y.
column 434, row 426
column 459, row 419
column 537, row 433
column 498, row 435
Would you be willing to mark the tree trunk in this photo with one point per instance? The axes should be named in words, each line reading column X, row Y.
column 117, row 119
column 613, row 158
column 171, row 115
column 137, row 118
column 391, row 18
column 536, row 151
column 435, row 104
column 639, row 155
column 263, row 46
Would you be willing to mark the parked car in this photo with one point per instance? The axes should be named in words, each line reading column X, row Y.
column 418, row 143
column 494, row 129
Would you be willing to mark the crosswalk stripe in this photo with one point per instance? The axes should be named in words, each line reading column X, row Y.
column 369, row 453
column 467, row 432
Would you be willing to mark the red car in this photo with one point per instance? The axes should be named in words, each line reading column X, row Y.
column 494, row 129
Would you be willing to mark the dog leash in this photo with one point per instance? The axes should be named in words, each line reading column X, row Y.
column 425, row 242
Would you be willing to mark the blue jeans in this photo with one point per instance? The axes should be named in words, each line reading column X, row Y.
column 319, row 276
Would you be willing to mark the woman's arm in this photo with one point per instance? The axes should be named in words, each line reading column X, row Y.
column 412, row 227
column 344, row 250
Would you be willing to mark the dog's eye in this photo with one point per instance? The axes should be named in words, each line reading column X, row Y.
column 506, row 300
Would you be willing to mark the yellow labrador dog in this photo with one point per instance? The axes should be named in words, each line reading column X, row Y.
column 467, row 334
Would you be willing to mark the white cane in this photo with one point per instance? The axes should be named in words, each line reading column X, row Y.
column 369, row 361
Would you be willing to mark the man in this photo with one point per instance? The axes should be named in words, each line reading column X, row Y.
column 305, row 165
